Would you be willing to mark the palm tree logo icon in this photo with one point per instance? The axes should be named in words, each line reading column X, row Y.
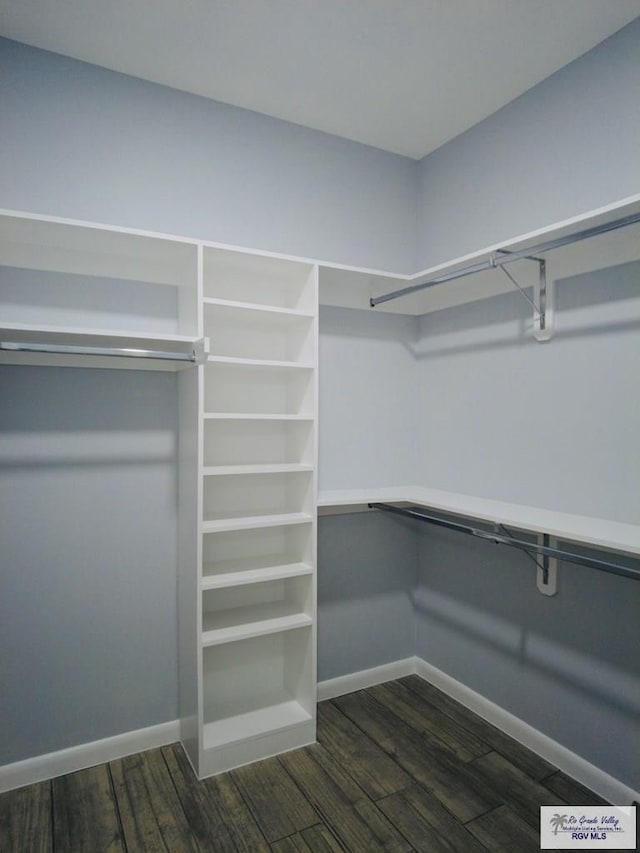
column 558, row 821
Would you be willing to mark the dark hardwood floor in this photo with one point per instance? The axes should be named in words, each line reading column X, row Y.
column 398, row 767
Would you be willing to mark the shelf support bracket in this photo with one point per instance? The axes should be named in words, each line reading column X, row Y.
column 542, row 302
column 547, row 573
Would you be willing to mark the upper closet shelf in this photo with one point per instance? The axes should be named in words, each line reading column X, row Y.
column 66, row 347
column 353, row 287
column 77, row 294
column 600, row 533
column 258, row 308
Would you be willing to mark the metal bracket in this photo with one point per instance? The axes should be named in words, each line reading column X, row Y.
column 543, row 294
column 546, row 566
column 542, row 302
column 547, row 573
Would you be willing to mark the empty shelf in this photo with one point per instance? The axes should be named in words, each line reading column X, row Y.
column 254, row 723
column 260, row 362
column 271, row 468
column 254, row 416
column 223, row 575
column 257, row 306
column 243, row 623
column 254, row 521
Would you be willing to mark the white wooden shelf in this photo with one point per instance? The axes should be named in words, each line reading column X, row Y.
column 246, row 725
column 79, row 337
column 39, row 331
column 258, row 307
column 230, row 574
column 352, row 287
column 255, row 521
column 51, row 243
column 259, row 362
column 276, row 468
column 255, row 416
column 601, row 533
column 244, row 623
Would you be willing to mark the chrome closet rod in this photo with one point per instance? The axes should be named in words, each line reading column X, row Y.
column 521, row 544
column 117, row 352
column 509, row 257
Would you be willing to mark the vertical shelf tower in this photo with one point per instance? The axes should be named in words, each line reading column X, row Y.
column 248, row 687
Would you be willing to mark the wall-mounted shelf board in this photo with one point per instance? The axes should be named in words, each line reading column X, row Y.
column 352, row 287
column 257, row 307
column 223, row 575
column 82, row 248
column 601, row 533
column 44, row 335
column 284, row 468
column 255, row 521
column 243, row 623
column 253, row 416
column 257, row 362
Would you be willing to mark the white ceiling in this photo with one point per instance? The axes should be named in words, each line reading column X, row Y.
column 402, row 75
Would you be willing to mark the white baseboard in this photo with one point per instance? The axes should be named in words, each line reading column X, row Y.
column 365, row 678
column 54, row 764
column 564, row 759
column 85, row 755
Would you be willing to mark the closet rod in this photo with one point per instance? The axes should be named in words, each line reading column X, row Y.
column 507, row 257
column 521, row 544
column 117, row 352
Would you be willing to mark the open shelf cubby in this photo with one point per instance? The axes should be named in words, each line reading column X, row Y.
column 257, row 686
column 251, row 556
column 257, row 442
column 253, row 610
column 259, row 280
column 253, row 495
column 257, row 389
column 66, row 276
column 238, row 332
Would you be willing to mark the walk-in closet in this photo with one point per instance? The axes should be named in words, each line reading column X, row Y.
column 319, row 466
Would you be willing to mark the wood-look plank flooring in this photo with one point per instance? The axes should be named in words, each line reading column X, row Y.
column 399, row 767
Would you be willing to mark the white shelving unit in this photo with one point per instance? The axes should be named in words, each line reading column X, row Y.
column 83, row 295
column 253, row 693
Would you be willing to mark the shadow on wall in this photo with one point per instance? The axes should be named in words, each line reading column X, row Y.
column 68, row 418
column 488, row 594
column 364, row 555
column 367, row 323
column 46, row 399
column 367, row 566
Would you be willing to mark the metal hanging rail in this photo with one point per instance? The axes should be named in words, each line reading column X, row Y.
column 511, row 541
column 117, row 352
column 508, row 257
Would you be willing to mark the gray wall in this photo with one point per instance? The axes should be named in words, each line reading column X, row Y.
column 86, row 143
column 368, row 409
column 88, row 498
column 566, row 146
column 367, row 567
column 551, row 424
